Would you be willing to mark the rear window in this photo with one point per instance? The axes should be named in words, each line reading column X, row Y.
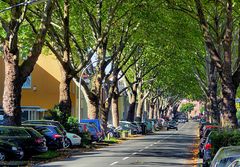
column 19, row 132
column 13, row 132
column 57, row 130
column 34, row 133
column 44, row 130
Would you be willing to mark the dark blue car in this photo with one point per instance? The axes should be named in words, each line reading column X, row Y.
column 54, row 136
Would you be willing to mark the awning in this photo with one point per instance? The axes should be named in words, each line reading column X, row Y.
column 30, row 108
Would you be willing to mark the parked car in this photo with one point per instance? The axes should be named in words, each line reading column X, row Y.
column 207, row 150
column 225, row 156
column 156, row 125
column 46, row 122
column 97, row 124
column 50, row 122
column 39, row 143
column 125, row 125
column 138, row 125
column 182, row 120
column 10, row 150
column 209, row 127
column 95, row 136
column 82, row 131
column 148, row 126
column 54, row 136
column 27, row 139
column 202, row 141
column 112, row 131
column 172, row 125
column 73, row 139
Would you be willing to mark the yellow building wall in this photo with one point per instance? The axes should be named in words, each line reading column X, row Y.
column 44, row 91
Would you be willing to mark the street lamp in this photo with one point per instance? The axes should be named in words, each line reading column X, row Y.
column 22, row 4
column 79, row 92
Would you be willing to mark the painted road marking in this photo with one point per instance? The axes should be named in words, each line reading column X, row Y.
column 114, row 163
column 134, row 153
column 146, row 147
column 125, row 158
column 141, row 150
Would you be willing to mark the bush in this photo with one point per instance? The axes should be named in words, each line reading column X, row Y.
column 71, row 123
column 224, row 138
column 56, row 115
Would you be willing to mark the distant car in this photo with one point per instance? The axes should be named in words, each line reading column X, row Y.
column 94, row 132
column 125, row 125
column 206, row 127
column 54, row 136
column 73, row 139
column 97, row 124
column 10, row 151
column 112, row 131
column 225, row 156
column 82, row 131
column 181, row 120
column 172, row 125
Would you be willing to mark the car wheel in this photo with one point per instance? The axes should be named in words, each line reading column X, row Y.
column 68, row 143
column 167, row 129
column 176, row 128
column 2, row 156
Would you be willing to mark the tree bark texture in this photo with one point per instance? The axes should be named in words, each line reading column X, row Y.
column 65, row 103
column 132, row 106
column 140, row 106
column 212, row 93
column 151, row 110
column 12, row 88
column 115, row 112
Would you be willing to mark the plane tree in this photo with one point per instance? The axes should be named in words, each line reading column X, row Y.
column 14, row 35
column 216, row 21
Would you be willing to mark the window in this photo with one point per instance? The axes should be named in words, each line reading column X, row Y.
column 28, row 83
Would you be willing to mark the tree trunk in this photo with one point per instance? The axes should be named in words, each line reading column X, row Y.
column 92, row 105
column 140, row 106
column 212, row 93
column 12, row 89
column 151, row 110
column 131, row 110
column 16, row 75
column 155, row 111
column 105, row 107
column 229, row 107
column 65, row 103
column 115, row 112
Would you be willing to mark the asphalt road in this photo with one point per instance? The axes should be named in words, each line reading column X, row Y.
column 165, row 148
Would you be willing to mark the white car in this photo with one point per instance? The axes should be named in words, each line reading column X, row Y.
column 72, row 140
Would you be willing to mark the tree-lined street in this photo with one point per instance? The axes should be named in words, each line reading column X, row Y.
column 164, row 148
